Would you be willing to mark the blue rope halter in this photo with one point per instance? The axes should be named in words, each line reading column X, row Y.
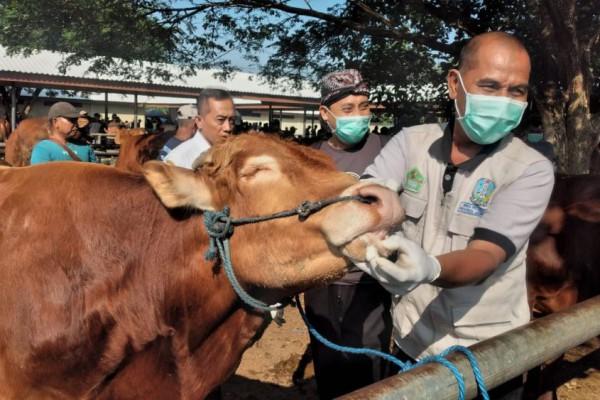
column 219, row 226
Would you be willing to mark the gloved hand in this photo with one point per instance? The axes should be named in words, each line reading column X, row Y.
column 412, row 267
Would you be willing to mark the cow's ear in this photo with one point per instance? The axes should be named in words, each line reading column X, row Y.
column 178, row 187
column 588, row 211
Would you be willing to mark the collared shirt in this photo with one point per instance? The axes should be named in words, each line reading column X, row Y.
column 187, row 152
column 506, row 223
column 499, row 195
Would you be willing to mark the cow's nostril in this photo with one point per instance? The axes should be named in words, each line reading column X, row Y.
column 367, row 199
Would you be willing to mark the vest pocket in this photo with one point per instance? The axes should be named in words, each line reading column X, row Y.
column 414, row 208
column 461, row 228
column 480, row 321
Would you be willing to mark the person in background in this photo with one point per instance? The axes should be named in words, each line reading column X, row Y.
column 214, row 123
column 354, row 311
column 186, row 127
column 62, row 120
column 535, row 138
column 95, row 124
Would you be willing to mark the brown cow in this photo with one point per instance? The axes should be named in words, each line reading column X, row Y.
column 21, row 141
column 116, row 301
column 562, row 254
column 562, row 260
column 4, row 129
column 135, row 148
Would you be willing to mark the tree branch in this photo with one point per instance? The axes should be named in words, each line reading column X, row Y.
column 467, row 25
column 390, row 33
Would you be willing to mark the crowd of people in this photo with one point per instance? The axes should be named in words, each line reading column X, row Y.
column 471, row 190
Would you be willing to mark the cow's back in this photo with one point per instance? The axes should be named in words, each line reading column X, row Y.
column 4, row 129
column 20, row 143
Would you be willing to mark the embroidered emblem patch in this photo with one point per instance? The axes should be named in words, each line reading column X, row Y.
column 467, row 208
column 482, row 193
column 414, row 180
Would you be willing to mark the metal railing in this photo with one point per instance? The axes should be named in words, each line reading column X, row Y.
column 500, row 358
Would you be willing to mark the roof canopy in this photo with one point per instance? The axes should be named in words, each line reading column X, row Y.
column 42, row 70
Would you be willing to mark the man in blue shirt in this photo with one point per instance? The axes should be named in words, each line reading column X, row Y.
column 62, row 118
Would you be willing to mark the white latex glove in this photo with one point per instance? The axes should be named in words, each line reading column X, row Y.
column 412, row 267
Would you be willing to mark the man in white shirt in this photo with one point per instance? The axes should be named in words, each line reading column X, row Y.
column 215, row 121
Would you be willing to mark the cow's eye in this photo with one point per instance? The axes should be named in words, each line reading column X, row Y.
column 249, row 172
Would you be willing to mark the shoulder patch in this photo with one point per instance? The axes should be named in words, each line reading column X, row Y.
column 482, row 192
column 414, row 180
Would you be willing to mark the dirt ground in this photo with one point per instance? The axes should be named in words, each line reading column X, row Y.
column 266, row 369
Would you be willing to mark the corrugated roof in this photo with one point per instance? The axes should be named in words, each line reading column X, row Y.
column 47, row 62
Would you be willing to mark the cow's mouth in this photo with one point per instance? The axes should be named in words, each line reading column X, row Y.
column 353, row 226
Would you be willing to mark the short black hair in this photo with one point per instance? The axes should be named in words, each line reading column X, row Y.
column 216, row 94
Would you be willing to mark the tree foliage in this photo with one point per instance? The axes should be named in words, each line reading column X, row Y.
column 403, row 48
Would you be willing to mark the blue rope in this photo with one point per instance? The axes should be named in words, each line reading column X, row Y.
column 406, row 366
column 220, row 228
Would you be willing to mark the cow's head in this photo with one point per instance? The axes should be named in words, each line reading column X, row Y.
column 257, row 175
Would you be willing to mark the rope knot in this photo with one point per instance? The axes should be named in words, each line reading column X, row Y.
column 219, row 226
column 304, row 210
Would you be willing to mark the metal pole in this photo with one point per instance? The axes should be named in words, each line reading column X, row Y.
column 500, row 358
column 135, row 110
column 303, row 120
column 106, row 106
column 13, row 108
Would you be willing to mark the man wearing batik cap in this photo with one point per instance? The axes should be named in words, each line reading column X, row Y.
column 353, row 311
column 186, row 118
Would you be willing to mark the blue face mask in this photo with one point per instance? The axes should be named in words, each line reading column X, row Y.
column 351, row 130
column 488, row 119
column 535, row 137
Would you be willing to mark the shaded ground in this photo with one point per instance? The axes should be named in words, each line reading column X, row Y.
column 266, row 369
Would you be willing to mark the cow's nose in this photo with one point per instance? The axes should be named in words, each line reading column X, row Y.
column 386, row 202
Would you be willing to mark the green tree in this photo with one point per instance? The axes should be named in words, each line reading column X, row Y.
column 399, row 46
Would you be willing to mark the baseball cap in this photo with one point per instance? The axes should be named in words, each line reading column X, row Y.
column 339, row 84
column 62, row 109
column 187, row 111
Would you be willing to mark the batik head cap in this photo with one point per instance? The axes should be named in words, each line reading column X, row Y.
column 339, row 84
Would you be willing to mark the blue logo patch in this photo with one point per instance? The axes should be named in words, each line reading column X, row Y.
column 482, row 193
column 467, row 208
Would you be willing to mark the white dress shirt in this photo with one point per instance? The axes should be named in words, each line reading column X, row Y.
column 187, row 152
